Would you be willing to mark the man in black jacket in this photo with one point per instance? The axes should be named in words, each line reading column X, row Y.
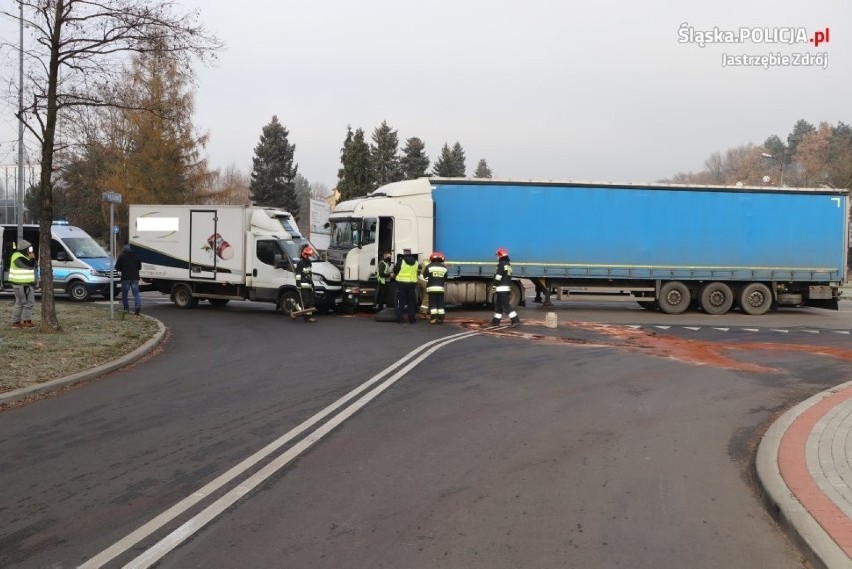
column 128, row 264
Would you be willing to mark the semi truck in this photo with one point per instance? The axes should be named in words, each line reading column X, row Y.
column 223, row 253
column 669, row 246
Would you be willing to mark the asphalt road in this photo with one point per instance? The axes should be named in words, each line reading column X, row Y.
column 624, row 438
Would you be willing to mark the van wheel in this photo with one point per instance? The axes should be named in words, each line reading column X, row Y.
column 182, row 297
column 78, row 292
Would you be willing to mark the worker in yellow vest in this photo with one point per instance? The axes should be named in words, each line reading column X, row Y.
column 22, row 275
column 405, row 272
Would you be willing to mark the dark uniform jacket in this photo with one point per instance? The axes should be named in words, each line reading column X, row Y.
column 503, row 277
column 304, row 274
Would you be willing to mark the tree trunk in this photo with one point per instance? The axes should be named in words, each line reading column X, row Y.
column 49, row 322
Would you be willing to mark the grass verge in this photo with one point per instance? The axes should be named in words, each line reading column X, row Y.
column 88, row 338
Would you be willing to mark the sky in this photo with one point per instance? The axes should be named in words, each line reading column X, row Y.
column 542, row 89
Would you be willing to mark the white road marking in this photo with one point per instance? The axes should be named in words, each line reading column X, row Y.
column 782, row 331
column 171, row 541
column 693, row 328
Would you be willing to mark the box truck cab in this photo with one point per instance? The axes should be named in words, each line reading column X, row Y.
column 81, row 267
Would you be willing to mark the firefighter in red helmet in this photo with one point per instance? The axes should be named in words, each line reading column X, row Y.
column 502, row 287
column 305, row 281
column 436, row 276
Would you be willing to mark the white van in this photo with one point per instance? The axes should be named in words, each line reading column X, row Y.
column 81, row 267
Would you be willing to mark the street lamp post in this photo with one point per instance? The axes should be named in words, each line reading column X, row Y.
column 780, row 166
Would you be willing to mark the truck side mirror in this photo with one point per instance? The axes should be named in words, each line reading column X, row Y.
column 278, row 262
column 61, row 256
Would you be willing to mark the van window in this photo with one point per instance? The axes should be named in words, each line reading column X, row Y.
column 84, row 247
column 55, row 249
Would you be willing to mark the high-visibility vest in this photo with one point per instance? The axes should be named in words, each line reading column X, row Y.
column 407, row 273
column 382, row 274
column 19, row 276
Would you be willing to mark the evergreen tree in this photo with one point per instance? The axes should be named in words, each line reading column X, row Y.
column 482, row 170
column 355, row 178
column 384, row 155
column 458, row 158
column 414, row 161
column 800, row 129
column 451, row 162
column 303, row 195
column 273, row 172
column 776, row 147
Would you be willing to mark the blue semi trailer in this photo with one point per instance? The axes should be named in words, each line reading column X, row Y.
column 669, row 246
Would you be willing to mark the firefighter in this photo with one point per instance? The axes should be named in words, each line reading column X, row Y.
column 436, row 275
column 305, row 281
column 405, row 273
column 501, row 286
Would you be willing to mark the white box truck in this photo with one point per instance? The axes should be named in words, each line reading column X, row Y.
column 223, row 253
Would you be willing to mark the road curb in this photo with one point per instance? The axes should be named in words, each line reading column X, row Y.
column 86, row 375
column 796, row 520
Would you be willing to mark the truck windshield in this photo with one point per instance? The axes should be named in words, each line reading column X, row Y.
column 84, row 247
column 345, row 233
column 293, row 248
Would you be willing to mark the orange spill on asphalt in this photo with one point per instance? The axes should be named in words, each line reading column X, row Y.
column 649, row 342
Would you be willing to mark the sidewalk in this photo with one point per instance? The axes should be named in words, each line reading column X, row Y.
column 804, row 465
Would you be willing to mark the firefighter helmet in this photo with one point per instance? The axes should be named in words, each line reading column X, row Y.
column 436, row 256
column 308, row 251
column 502, row 252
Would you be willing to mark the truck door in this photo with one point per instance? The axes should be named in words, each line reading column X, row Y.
column 204, row 243
column 263, row 278
column 368, row 260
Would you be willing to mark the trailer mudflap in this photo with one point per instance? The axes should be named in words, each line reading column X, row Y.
column 827, row 303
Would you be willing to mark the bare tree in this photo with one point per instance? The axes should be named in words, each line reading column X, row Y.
column 78, row 49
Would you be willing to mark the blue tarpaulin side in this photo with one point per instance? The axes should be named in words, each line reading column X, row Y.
column 642, row 232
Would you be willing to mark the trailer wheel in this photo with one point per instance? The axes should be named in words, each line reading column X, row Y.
column 289, row 302
column 516, row 294
column 78, row 291
column 674, row 297
column 182, row 297
column 755, row 299
column 716, row 298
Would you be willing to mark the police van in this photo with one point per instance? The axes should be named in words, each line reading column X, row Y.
column 81, row 267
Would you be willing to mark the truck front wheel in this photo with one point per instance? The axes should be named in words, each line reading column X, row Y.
column 182, row 297
column 289, row 302
column 78, row 291
column 674, row 297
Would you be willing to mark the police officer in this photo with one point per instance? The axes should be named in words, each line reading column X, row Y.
column 436, row 275
column 502, row 286
column 22, row 275
column 405, row 273
column 383, row 278
column 305, row 281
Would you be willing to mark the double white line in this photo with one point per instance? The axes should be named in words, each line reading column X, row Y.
column 190, row 527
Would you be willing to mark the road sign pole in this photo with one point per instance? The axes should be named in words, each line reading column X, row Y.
column 113, row 198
